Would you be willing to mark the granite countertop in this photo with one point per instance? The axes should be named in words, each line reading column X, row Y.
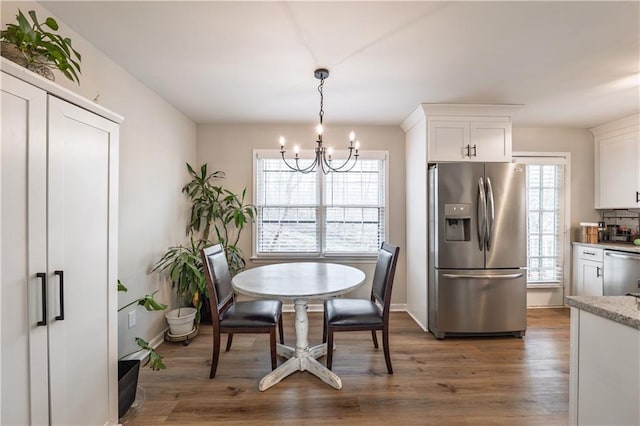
column 621, row 309
column 630, row 247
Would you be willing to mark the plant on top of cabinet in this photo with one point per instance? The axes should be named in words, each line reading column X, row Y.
column 34, row 47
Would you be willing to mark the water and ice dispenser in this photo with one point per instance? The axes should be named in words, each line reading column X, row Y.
column 457, row 222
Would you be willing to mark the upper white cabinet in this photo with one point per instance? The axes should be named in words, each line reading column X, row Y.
column 465, row 132
column 58, row 255
column 617, row 164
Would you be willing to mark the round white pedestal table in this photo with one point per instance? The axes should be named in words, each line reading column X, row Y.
column 299, row 282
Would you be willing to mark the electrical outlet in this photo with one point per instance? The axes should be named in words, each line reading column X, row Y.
column 132, row 319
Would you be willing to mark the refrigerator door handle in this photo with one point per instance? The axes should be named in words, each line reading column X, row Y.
column 490, row 214
column 483, row 277
column 482, row 214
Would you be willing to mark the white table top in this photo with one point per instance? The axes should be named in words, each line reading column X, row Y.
column 298, row 280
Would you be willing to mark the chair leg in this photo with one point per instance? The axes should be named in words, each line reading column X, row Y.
column 329, row 333
column 324, row 330
column 385, row 345
column 215, row 355
column 281, row 330
column 272, row 339
column 229, row 340
column 375, row 339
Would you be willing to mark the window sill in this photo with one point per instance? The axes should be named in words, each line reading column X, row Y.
column 545, row 285
column 322, row 259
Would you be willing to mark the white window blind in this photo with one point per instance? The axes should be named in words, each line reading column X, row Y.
column 546, row 217
column 317, row 214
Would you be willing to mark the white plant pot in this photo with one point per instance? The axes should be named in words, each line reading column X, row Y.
column 183, row 324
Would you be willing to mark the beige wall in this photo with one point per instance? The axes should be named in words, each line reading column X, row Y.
column 229, row 148
column 155, row 142
column 579, row 142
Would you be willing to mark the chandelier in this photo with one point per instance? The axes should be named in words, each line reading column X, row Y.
column 323, row 156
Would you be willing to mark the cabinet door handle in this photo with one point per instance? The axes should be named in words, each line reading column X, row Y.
column 468, row 150
column 61, row 275
column 43, row 281
column 637, row 196
column 598, row 273
column 590, row 253
column 475, row 150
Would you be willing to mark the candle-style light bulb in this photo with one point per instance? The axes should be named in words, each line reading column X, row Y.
column 319, row 129
column 357, row 145
column 352, row 136
column 296, row 149
column 281, row 142
column 330, row 151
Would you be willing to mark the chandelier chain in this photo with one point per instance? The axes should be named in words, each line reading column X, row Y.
column 320, row 87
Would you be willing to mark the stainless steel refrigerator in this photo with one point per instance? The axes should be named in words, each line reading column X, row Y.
column 477, row 249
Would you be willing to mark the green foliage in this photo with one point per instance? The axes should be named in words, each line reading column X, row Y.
column 40, row 45
column 184, row 267
column 218, row 214
column 150, row 304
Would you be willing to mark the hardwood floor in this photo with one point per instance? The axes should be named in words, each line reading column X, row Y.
column 456, row 381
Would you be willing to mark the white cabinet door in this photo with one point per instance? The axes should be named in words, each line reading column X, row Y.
column 82, row 268
column 448, row 140
column 490, row 141
column 591, row 273
column 23, row 368
column 618, row 179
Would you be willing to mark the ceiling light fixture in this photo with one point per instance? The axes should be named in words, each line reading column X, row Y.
column 323, row 156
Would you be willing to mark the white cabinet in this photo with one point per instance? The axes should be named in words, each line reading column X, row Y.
column 58, row 256
column 463, row 139
column 617, row 164
column 587, row 271
column 604, row 386
column 464, row 132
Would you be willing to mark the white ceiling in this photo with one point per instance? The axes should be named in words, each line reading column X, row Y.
column 571, row 64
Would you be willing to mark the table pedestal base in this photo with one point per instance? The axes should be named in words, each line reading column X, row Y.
column 302, row 357
column 301, row 360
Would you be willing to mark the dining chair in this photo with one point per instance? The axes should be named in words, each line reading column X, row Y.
column 230, row 316
column 345, row 314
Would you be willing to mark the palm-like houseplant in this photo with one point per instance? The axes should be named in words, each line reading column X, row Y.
column 217, row 216
column 36, row 46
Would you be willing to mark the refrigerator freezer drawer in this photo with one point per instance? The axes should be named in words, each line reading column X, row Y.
column 478, row 302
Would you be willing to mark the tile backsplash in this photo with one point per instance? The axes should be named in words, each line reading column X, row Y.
column 621, row 225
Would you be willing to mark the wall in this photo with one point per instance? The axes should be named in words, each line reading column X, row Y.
column 229, row 148
column 155, row 142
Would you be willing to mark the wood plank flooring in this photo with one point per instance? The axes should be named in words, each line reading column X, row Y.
column 456, row 381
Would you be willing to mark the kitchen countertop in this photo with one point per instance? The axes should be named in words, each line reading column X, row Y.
column 621, row 309
column 630, row 247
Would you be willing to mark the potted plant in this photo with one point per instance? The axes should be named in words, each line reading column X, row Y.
column 217, row 215
column 128, row 369
column 36, row 46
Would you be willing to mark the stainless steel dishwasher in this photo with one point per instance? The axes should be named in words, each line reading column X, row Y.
column 621, row 273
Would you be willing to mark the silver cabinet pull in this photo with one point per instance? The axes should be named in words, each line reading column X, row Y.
column 479, row 276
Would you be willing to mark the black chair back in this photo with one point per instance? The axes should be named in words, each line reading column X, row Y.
column 384, row 275
column 218, row 279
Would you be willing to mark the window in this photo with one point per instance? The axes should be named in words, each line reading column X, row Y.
column 546, row 236
column 319, row 215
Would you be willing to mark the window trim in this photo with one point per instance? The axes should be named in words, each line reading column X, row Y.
column 351, row 257
column 555, row 158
